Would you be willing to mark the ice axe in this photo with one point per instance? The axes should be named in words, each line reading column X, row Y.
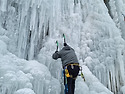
column 64, row 38
column 57, row 45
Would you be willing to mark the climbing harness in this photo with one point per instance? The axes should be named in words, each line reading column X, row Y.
column 67, row 72
column 81, row 73
column 72, row 66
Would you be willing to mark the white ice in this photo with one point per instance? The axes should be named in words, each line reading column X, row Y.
column 29, row 29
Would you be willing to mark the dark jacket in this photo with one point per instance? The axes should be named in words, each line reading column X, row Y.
column 67, row 55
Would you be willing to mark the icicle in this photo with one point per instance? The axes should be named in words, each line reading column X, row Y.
column 3, row 5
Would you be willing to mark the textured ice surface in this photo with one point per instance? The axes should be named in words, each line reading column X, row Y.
column 29, row 29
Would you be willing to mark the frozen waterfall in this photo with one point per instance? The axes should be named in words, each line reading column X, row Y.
column 29, row 29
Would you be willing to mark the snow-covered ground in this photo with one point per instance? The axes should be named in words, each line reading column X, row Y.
column 29, row 29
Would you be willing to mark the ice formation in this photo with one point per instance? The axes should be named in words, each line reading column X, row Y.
column 29, row 29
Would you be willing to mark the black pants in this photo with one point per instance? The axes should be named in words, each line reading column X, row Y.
column 70, row 82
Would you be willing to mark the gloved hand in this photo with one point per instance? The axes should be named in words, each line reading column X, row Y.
column 56, row 51
column 65, row 44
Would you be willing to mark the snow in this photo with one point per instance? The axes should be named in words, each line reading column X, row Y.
column 91, row 84
column 122, row 90
column 3, row 48
column 25, row 91
column 29, row 29
column 17, row 74
column 3, row 4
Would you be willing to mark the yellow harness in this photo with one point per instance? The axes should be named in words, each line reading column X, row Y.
column 67, row 72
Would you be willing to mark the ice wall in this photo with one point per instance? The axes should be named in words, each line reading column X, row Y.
column 31, row 28
column 18, row 76
column 99, row 47
column 117, row 11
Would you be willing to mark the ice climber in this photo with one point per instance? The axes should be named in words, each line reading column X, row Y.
column 70, row 65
